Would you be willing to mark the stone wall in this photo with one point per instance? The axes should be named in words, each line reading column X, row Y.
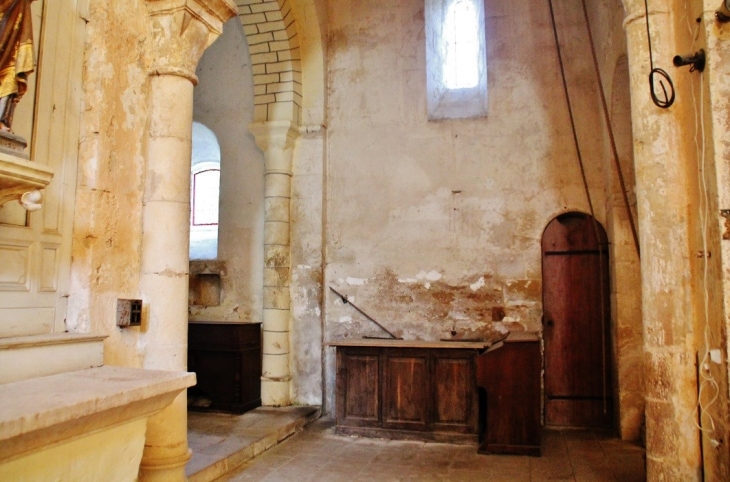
column 606, row 21
column 434, row 227
column 108, row 221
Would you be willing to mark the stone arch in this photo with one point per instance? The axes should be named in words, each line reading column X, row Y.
column 281, row 56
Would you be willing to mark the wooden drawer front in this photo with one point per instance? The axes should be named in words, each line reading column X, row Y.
column 406, row 393
column 454, row 404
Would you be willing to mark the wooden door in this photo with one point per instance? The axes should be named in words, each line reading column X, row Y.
column 576, row 321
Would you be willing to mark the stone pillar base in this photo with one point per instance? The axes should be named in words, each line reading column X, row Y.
column 275, row 393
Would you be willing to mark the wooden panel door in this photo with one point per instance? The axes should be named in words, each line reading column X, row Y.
column 358, row 389
column 576, row 322
column 454, row 395
column 406, row 392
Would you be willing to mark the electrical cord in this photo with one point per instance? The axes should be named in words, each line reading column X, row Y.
column 706, row 378
column 668, row 97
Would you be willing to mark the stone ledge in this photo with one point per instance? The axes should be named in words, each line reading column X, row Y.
column 28, row 357
column 45, row 340
column 43, row 411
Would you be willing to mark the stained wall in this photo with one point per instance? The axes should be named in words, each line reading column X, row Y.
column 434, row 227
column 107, row 232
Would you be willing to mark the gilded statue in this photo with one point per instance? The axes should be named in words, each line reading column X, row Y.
column 16, row 56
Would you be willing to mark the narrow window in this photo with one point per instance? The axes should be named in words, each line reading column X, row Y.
column 461, row 36
column 456, row 59
column 204, row 193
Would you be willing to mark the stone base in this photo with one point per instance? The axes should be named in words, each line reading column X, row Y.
column 13, row 144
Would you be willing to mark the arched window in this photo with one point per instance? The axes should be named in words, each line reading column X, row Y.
column 204, row 193
column 456, row 58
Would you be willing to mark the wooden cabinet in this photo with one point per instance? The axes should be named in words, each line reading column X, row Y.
column 509, row 373
column 226, row 358
column 407, row 390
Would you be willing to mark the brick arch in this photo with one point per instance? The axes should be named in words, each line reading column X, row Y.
column 273, row 42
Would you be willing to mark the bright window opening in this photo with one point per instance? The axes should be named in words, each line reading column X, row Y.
column 205, row 177
column 461, row 36
column 206, row 193
column 456, row 59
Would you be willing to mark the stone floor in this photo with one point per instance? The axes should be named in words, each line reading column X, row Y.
column 222, row 442
column 317, row 454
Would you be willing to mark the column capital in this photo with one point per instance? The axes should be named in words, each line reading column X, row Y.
column 182, row 30
column 274, row 134
column 276, row 139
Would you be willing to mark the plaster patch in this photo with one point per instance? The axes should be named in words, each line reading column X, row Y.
column 430, row 276
column 355, row 281
column 345, row 319
column 479, row 284
column 457, row 315
column 407, row 280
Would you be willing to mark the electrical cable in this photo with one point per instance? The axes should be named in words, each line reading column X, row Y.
column 705, row 376
column 668, row 99
column 601, row 261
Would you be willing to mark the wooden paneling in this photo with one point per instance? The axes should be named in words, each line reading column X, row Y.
column 453, row 395
column 412, row 393
column 227, row 360
column 362, row 393
column 48, row 117
column 509, row 373
column 405, row 399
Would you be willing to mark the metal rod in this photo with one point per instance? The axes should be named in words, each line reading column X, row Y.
column 346, row 301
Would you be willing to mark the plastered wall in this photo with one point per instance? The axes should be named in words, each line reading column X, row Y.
column 108, row 216
column 224, row 102
column 432, row 225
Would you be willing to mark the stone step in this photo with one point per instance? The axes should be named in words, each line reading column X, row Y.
column 223, row 442
column 25, row 357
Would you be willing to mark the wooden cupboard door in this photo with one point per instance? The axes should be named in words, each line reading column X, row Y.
column 454, row 404
column 406, row 392
column 576, row 323
column 358, row 397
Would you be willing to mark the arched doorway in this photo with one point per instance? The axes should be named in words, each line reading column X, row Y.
column 576, row 319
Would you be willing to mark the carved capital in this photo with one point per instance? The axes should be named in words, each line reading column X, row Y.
column 182, row 30
column 274, row 135
column 276, row 139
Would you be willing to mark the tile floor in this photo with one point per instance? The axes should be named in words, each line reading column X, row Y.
column 317, row 454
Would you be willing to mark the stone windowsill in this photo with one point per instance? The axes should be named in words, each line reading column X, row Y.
column 46, row 410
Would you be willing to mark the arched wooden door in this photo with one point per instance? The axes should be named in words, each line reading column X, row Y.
column 576, row 320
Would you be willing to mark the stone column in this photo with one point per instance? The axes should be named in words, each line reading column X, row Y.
column 181, row 30
column 276, row 139
column 663, row 183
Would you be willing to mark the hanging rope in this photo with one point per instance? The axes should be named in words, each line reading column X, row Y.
column 601, row 261
column 609, row 126
column 668, row 98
